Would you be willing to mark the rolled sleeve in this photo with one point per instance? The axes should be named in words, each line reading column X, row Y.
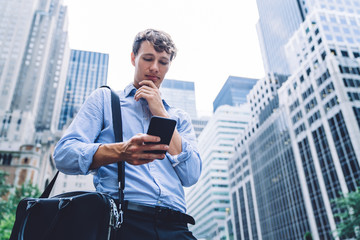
column 74, row 153
column 183, row 156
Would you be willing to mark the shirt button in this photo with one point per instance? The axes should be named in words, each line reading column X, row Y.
column 159, row 202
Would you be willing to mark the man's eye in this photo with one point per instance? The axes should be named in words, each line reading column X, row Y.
column 148, row 59
column 163, row 63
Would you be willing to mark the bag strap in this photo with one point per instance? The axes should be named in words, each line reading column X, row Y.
column 117, row 125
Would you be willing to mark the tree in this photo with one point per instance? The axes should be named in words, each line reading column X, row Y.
column 6, row 225
column 9, row 202
column 4, row 190
column 349, row 207
column 308, row 236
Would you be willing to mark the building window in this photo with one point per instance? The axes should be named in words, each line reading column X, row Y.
column 328, row 169
column 344, row 53
column 345, row 151
column 317, row 202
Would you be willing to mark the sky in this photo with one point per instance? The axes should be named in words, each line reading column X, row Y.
column 215, row 39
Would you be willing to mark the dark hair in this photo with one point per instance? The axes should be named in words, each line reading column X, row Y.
column 159, row 39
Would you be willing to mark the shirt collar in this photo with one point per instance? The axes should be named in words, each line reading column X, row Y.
column 129, row 90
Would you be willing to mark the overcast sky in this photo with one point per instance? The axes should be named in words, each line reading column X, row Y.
column 215, row 39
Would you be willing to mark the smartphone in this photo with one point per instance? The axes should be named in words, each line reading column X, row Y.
column 163, row 128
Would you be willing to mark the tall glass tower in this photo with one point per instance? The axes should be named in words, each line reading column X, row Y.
column 34, row 56
column 180, row 94
column 278, row 20
column 234, row 91
column 87, row 71
column 303, row 152
column 209, row 199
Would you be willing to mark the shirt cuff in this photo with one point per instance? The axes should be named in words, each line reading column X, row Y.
column 183, row 156
column 87, row 158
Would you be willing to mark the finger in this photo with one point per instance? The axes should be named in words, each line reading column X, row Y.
column 143, row 93
column 150, row 138
column 147, row 83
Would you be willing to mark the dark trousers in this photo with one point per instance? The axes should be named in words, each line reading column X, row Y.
column 138, row 226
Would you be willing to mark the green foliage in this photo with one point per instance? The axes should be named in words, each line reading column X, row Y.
column 9, row 202
column 4, row 190
column 349, row 206
column 6, row 225
column 308, row 236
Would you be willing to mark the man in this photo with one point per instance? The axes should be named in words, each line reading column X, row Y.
column 152, row 180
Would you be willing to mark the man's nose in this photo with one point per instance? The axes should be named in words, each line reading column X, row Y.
column 154, row 67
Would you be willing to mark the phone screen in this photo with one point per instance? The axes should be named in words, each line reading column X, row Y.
column 163, row 128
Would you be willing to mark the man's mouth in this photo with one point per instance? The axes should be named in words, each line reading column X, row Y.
column 152, row 77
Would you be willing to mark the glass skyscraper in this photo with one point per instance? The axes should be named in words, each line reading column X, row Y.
column 87, row 71
column 34, row 56
column 180, row 94
column 209, row 200
column 303, row 152
column 234, row 91
column 278, row 20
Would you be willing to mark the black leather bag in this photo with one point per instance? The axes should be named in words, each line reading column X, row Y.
column 73, row 215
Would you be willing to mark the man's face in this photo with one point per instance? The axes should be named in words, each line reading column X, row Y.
column 150, row 64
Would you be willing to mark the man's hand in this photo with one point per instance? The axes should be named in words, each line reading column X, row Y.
column 135, row 150
column 151, row 94
column 132, row 151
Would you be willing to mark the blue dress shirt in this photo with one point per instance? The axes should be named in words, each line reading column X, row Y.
column 157, row 183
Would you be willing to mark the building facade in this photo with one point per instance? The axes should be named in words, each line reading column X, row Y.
column 278, row 20
column 302, row 150
column 208, row 201
column 180, row 94
column 16, row 21
column 32, row 83
column 322, row 105
column 87, row 71
column 234, row 91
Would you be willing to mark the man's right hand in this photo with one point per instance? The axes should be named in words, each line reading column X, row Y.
column 133, row 151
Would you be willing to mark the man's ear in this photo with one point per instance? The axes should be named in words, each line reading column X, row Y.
column 133, row 59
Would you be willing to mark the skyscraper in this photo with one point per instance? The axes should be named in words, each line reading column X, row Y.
column 33, row 65
column 321, row 102
column 278, row 20
column 87, row 71
column 180, row 94
column 208, row 201
column 16, row 21
column 234, row 91
column 303, row 154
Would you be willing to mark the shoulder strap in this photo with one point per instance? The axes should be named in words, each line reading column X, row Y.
column 117, row 124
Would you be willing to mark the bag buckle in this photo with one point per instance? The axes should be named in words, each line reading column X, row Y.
column 117, row 216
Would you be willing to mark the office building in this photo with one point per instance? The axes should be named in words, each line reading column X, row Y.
column 234, row 91
column 16, row 21
column 32, row 83
column 321, row 100
column 278, row 20
column 87, row 71
column 303, row 154
column 199, row 124
column 208, row 201
column 180, row 94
